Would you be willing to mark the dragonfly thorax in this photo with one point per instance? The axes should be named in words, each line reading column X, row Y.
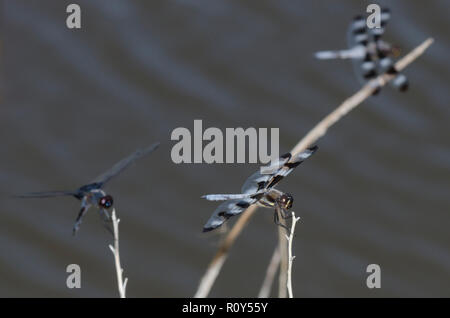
column 274, row 197
column 285, row 201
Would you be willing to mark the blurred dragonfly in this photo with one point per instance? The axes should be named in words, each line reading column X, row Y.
column 92, row 194
column 370, row 55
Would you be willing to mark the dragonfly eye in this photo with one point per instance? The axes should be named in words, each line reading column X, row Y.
column 286, row 201
column 106, row 201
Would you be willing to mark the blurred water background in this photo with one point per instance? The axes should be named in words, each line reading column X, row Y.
column 73, row 102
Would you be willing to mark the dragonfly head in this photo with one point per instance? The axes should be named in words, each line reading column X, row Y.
column 106, row 202
column 395, row 51
column 388, row 49
column 286, row 201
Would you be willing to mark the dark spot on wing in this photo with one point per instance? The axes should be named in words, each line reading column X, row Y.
column 392, row 70
column 377, row 90
column 274, row 181
column 359, row 31
column 243, row 204
column 286, row 155
column 370, row 74
column 207, row 229
column 364, row 42
column 404, row 87
column 292, row 165
column 261, row 185
column 313, row 148
column 381, row 54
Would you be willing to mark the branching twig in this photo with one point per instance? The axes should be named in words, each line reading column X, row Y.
column 290, row 238
column 122, row 285
column 313, row 135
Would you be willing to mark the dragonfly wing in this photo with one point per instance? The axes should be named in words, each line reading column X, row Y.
column 400, row 82
column 48, row 194
column 123, row 164
column 376, row 33
column 358, row 36
column 258, row 181
column 225, row 211
column 224, row 197
column 356, row 52
column 386, row 64
column 253, row 189
column 289, row 166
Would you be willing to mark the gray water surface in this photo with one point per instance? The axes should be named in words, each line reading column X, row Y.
column 73, row 102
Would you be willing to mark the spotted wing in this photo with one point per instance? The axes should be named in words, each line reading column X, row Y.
column 376, row 33
column 358, row 36
column 123, row 164
column 235, row 203
column 386, row 63
column 226, row 210
column 257, row 182
column 261, row 182
column 253, row 189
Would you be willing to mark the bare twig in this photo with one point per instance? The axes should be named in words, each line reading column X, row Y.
column 122, row 285
column 313, row 135
column 264, row 292
column 282, row 274
column 290, row 238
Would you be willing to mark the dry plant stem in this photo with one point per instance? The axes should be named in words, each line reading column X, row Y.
column 282, row 246
column 313, row 135
column 264, row 292
column 365, row 92
column 122, row 285
column 216, row 264
column 290, row 238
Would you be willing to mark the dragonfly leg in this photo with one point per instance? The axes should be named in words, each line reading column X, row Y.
column 286, row 215
column 84, row 208
column 277, row 222
column 106, row 218
column 78, row 220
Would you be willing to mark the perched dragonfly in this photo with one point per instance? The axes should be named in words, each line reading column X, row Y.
column 371, row 56
column 92, row 194
column 259, row 189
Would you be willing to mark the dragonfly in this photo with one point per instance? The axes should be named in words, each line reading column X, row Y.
column 92, row 194
column 370, row 55
column 259, row 189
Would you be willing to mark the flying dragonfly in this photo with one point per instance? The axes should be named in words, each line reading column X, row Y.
column 259, row 189
column 92, row 194
column 370, row 54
